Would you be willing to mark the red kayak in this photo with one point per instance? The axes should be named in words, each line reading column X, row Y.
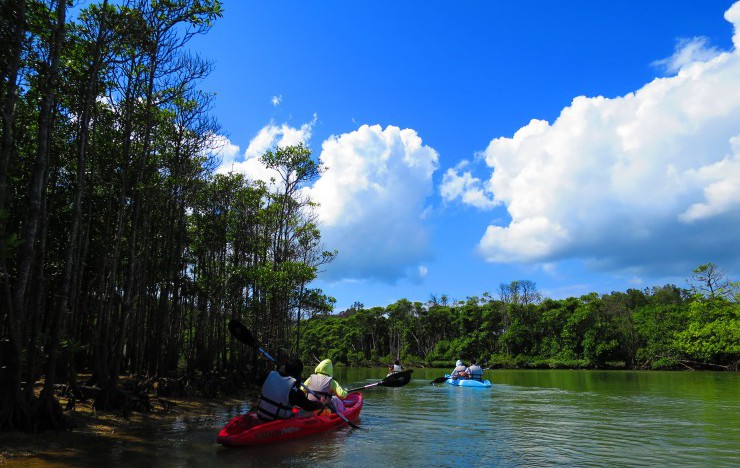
column 247, row 429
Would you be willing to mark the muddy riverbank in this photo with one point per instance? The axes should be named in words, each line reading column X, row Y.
column 103, row 428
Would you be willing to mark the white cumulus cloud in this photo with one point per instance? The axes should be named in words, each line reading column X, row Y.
column 223, row 149
column 650, row 178
column 372, row 196
column 372, row 201
column 269, row 137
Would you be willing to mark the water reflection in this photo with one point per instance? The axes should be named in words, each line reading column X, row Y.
column 528, row 418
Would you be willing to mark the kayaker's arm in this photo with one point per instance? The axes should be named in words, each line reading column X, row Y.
column 339, row 390
column 296, row 397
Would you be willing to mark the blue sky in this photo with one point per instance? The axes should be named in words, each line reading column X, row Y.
column 585, row 146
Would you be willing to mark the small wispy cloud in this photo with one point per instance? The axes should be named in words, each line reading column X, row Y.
column 688, row 51
column 459, row 184
column 276, row 100
column 636, row 280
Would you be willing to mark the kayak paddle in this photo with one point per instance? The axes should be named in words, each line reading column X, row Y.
column 396, row 379
column 242, row 333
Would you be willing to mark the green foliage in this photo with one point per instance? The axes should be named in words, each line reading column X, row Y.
column 142, row 253
column 293, row 163
column 711, row 281
column 8, row 243
column 657, row 325
column 713, row 332
column 658, row 328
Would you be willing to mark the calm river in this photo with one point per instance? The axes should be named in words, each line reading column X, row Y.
column 528, row 418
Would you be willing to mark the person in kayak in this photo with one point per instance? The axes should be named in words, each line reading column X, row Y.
column 323, row 385
column 474, row 371
column 396, row 367
column 281, row 392
column 459, row 371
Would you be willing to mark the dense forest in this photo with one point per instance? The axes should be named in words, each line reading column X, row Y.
column 658, row 328
column 123, row 255
column 121, row 252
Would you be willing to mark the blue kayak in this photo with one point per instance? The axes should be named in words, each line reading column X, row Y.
column 468, row 382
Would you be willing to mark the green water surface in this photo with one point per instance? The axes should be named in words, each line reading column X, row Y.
column 527, row 418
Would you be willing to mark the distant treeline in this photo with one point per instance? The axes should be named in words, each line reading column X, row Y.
column 658, row 328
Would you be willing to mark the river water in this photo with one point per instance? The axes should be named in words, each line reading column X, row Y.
column 527, row 418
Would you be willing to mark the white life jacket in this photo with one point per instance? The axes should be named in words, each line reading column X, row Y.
column 458, row 370
column 475, row 372
column 397, row 368
column 274, row 403
column 321, row 385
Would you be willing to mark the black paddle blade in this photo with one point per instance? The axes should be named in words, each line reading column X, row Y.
column 439, row 380
column 397, row 379
column 241, row 333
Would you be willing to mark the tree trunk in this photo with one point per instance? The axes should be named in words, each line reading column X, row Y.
column 14, row 412
column 89, row 96
column 28, row 249
column 10, row 96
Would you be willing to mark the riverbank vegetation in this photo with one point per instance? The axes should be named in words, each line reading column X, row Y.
column 96, row 431
column 657, row 328
column 121, row 251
